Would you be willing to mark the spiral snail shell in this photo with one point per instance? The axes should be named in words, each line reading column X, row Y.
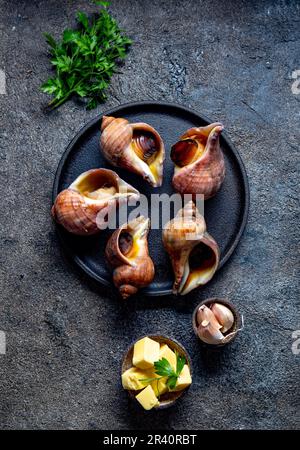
column 193, row 252
column 97, row 190
column 136, row 147
column 127, row 252
column 199, row 161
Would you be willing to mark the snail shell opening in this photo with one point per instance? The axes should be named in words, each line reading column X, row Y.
column 96, row 184
column 128, row 245
column 148, row 147
column 187, row 151
column 127, row 252
column 199, row 268
column 145, row 145
column 125, row 243
column 130, row 241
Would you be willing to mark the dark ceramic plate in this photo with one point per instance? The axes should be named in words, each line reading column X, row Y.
column 225, row 214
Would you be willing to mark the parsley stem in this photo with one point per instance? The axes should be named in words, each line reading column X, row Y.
column 54, row 103
column 64, row 98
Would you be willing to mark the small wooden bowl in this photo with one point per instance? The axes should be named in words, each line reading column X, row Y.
column 231, row 334
column 169, row 398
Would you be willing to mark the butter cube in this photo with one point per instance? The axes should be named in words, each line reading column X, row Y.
column 147, row 398
column 145, row 353
column 184, row 379
column 166, row 352
column 131, row 379
column 159, row 386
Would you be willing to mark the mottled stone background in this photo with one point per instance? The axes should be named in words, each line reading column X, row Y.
column 232, row 61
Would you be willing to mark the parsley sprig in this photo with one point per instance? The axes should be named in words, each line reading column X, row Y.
column 86, row 58
column 164, row 369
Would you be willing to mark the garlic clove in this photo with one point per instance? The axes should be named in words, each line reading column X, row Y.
column 209, row 333
column 204, row 313
column 223, row 315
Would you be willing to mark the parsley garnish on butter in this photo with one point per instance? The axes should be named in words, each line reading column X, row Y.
column 164, row 369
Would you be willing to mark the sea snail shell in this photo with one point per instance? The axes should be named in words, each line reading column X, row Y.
column 127, row 252
column 199, row 161
column 136, row 147
column 193, row 252
column 77, row 207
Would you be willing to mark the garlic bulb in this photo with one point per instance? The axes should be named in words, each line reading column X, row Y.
column 213, row 324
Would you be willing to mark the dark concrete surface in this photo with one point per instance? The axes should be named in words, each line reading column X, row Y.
column 232, row 61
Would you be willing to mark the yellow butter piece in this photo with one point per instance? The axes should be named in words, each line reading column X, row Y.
column 184, row 379
column 147, row 398
column 145, row 353
column 166, row 352
column 131, row 379
column 159, row 386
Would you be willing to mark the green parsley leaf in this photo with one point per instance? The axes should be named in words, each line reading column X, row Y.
column 164, row 368
column 86, row 58
column 70, row 36
column 103, row 3
column 83, row 19
column 50, row 40
column 171, row 382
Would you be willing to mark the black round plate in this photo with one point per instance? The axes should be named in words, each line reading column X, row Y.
column 225, row 214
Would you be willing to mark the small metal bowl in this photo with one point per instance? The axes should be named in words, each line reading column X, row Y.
column 169, row 398
column 237, row 325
